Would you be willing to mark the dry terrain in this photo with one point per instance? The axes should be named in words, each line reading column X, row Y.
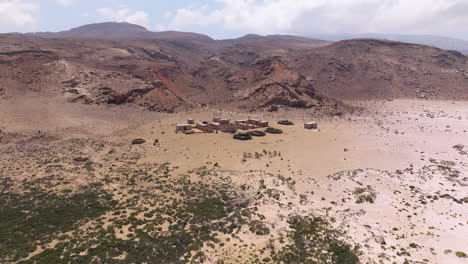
column 92, row 169
column 387, row 185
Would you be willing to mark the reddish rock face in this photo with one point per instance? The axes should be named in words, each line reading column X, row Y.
column 377, row 69
column 168, row 71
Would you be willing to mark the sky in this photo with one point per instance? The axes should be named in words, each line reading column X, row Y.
column 233, row 18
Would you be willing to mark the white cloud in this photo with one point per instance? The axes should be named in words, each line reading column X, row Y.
column 328, row 16
column 18, row 13
column 65, row 2
column 125, row 15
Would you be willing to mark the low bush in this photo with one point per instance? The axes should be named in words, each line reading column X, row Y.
column 364, row 195
column 256, row 133
column 272, row 130
column 242, row 136
column 285, row 123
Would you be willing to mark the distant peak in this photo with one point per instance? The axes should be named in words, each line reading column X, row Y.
column 111, row 26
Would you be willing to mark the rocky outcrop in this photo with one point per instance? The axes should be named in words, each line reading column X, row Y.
column 377, row 69
column 23, row 71
column 271, row 82
column 101, row 87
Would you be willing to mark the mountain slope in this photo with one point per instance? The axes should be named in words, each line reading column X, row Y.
column 123, row 31
column 447, row 43
column 180, row 71
column 367, row 68
column 293, row 42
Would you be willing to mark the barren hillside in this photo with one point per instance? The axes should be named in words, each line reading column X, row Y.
column 120, row 63
column 368, row 69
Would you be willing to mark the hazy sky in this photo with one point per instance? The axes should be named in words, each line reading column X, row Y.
column 233, row 18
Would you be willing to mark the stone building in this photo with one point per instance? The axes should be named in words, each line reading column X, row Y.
column 310, row 125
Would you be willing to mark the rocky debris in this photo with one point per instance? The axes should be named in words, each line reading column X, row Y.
column 72, row 83
column 273, row 108
column 27, row 70
column 152, row 55
column 126, row 97
column 103, row 87
column 272, row 82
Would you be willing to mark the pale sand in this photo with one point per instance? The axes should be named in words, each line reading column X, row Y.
column 389, row 136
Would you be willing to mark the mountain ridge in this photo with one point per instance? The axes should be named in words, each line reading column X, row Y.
column 181, row 70
column 127, row 31
column 447, row 43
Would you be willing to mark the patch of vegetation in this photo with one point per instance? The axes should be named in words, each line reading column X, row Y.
column 170, row 224
column 459, row 201
column 207, row 209
column 312, row 240
column 343, row 254
column 363, row 195
column 242, row 136
column 272, row 130
column 414, row 245
column 204, row 171
column 153, row 216
column 256, row 133
column 285, row 123
column 38, row 216
column 259, row 228
column 264, row 153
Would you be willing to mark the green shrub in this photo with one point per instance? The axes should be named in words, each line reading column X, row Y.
column 285, row 123
column 207, row 209
column 242, row 136
column 364, row 195
column 259, row 228
column 272, row 130
column 256, row 133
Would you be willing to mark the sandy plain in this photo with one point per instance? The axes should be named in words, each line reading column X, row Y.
column 405, row 152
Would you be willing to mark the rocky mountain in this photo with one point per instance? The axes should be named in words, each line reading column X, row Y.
column 124, row 64
column 368, row 69
column 447, row 43
column 279, row 41
column 122, row 31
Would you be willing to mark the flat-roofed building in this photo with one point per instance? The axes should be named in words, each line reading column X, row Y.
column 228, row 128
column 224, row 121
column 310, row 125
column 182, row 127
column 242, row 126
column 241, row 121
column 205, row 128
column 263, row 123
column 253, row 122
column 215, row 126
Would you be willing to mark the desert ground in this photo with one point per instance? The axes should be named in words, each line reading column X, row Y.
column 385, row 184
